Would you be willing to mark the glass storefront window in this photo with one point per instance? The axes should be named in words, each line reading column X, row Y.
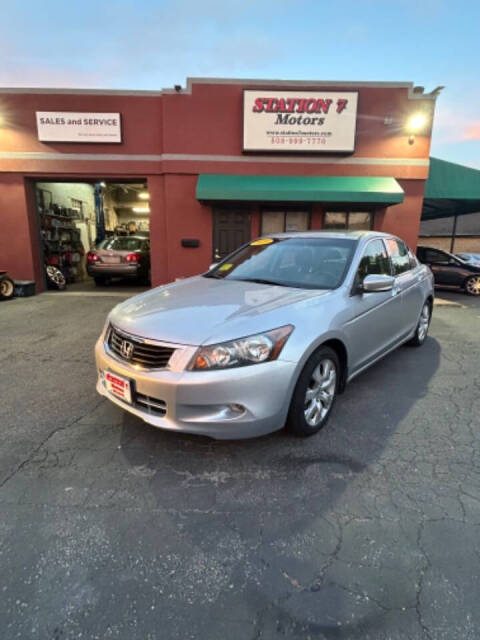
column 360, row 221
column 296, row 221
column 273, row 222
column 335, row 220
column 353, row 220
column 279, row 221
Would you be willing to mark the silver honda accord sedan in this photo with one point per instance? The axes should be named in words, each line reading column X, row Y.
column 268, row 337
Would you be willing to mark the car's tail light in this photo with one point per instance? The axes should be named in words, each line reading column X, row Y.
column 92, row 257
column 132, row 257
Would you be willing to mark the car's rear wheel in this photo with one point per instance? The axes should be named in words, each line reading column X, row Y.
column 472, row 286
column 421, row 331
column 315, row 393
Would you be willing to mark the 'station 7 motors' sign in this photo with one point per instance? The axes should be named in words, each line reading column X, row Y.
column 67, row 126
column 306, row 121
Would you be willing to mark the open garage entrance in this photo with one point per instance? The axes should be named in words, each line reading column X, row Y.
column 96, row 233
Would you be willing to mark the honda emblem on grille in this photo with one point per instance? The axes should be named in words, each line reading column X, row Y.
column 126, row 349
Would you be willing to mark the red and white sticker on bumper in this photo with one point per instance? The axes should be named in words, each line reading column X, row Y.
column 118, row 386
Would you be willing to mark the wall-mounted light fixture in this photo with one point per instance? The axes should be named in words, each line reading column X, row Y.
column 141, row 209
column 144, row 195
column 416, row 123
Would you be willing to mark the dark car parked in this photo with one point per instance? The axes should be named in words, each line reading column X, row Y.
column 121, row 257
column 450, row 271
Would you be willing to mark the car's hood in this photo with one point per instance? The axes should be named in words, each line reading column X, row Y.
column 205, row 310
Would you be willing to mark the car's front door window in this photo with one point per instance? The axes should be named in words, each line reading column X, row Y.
column 374, row 260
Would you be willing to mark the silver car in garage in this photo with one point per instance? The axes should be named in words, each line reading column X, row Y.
column 266, row 338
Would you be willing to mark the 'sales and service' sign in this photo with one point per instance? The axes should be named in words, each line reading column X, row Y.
column 67, row 126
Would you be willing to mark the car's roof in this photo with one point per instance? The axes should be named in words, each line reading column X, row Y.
column 352, row 235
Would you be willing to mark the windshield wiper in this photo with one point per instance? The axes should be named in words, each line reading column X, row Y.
column 260, row 281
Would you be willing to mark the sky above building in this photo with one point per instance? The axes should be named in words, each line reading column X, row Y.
column 152, row 44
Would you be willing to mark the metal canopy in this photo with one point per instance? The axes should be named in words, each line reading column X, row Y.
column 451, row 190
column 362, row 190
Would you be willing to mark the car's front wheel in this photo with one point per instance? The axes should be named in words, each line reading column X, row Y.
column 472, row 285
column 421, row 331
column 314, row 393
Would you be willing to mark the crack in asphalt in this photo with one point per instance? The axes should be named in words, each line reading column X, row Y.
column 43, row 443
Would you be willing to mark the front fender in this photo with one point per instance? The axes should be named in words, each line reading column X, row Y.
column 309, row 349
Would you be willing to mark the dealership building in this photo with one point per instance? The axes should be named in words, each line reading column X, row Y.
column 205, row 168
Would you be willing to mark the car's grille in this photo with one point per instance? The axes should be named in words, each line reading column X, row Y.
column 131, row 349
column 152, row 406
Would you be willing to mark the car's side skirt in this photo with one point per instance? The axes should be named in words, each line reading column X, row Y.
column 402, row 340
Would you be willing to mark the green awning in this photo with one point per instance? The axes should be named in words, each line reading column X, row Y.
column 360, row 190
column 451, row 189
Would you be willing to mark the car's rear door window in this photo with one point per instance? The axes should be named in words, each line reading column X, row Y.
column 399, row 256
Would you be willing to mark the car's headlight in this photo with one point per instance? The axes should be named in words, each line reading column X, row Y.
column 260, row 347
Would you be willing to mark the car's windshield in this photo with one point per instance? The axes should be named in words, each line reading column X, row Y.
column 310, row 263
column 469, row 257
column 122, row 243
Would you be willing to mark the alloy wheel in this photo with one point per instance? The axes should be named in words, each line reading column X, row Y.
column 320, row 392
column 55, row 275
column 473, row 286
column 423, row 322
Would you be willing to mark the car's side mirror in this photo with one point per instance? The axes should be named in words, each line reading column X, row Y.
column 212, row 266
column 453, row 261
column 377, row 282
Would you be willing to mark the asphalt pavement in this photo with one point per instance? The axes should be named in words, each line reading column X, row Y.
column 110, row 528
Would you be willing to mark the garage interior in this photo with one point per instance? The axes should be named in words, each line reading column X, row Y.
column 76, row 217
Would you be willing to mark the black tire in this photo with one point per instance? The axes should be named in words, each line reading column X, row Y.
column 421, row 332
column 100, row 281
column 7, row 288
column 300, row 406
column 472, row 286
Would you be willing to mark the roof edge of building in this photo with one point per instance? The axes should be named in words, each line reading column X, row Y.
column 213, row 80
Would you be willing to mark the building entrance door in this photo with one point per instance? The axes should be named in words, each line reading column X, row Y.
column 231, row 229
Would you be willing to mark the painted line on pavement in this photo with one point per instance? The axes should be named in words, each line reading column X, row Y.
column 441, row 302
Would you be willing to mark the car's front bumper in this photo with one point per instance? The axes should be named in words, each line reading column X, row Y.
column 206, row 402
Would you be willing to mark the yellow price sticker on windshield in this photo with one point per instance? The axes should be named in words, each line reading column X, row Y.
column 225, row 267
column 257, row 243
